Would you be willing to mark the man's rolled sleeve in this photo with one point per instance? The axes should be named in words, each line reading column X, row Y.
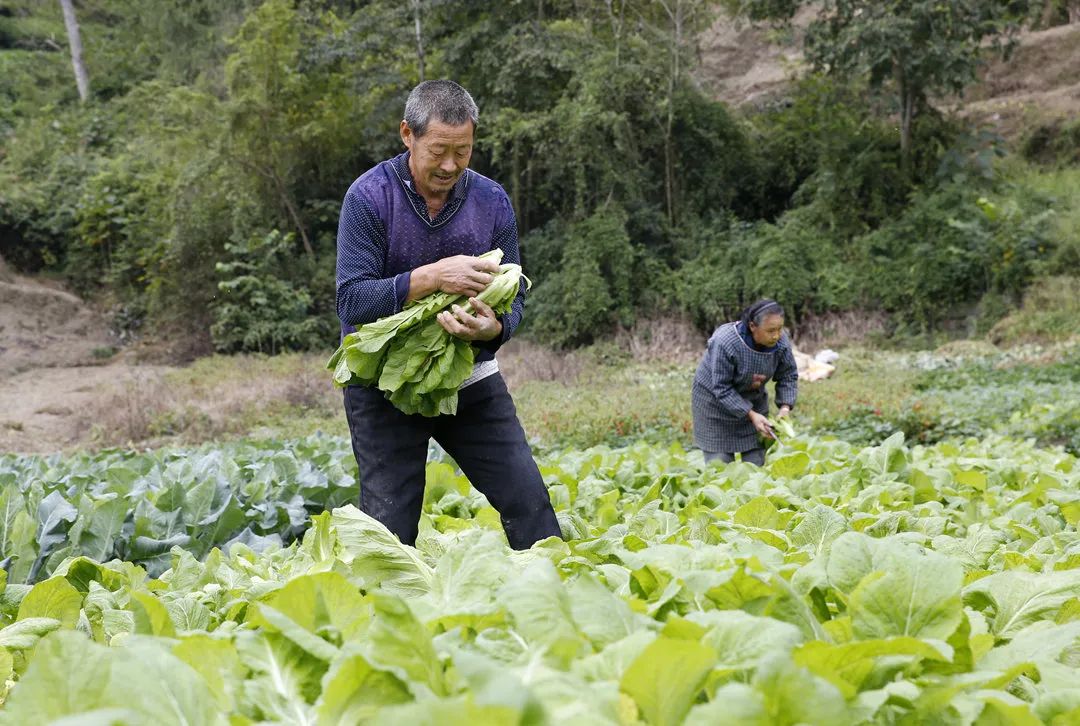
column 363, row 293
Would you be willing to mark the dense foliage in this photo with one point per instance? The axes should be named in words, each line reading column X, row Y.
column 197, row 191
column 838, row 585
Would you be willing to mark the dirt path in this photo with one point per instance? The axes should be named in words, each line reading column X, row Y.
column 45, row 410
column 57, row 359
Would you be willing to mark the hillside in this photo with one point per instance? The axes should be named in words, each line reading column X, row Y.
column 743, row 64
column 56, row 363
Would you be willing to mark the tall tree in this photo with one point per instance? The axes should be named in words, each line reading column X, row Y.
column 678, row 22
column 916, row 47
column 82, row 80
column 418, row 28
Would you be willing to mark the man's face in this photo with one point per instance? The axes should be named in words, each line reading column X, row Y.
column 439, row 157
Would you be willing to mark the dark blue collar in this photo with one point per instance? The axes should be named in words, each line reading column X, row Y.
column 748, row 338
column 400, row 165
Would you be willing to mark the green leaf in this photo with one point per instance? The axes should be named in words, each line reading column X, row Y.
column 284, row 678
column 7, row 671
column 735, row 704
column 667, row 677
column 908, row 594
column 847, row 665
column 218, row 663
column 818, row 528
column 320, row 541
column 151, row 615
column 448, row 712
column 539, row 608
column 1040, row 642
column 896, row 589
column 23, row 634
column 396, row 641
column 999, row 712
column 323, row 605
column 601, row 615
column 377, row 557
column 793, row 695
column 742, row 640
column 70, row 676
column 54, row 598
column 353, row 691
column 1018, row 598
column 790, row 465
column 99, row 525
column 758, row 512
column 467, row 577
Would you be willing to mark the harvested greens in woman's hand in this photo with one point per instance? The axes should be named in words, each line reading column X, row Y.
column 410, row 357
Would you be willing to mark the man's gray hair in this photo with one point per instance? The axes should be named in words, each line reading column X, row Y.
column 443, row 101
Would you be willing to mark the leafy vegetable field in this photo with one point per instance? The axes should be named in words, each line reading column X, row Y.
column 838, row 585
column 137, row 507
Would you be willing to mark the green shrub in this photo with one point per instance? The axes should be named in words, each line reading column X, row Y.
column 950, row 248
column 259, row 308
column 593, row 287
column 1053, row 143
column 1050, row 312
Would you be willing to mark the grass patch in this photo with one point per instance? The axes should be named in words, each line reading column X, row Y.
column 1050, row 313
column 963, row 389
column 611, row 405
column 222, row 397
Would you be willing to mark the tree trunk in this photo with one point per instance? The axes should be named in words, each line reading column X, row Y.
column 616, row 26
column 82, row 81
column 907, row 114
column 294, row 214
column 675, row 15
column 515, row 186
column 419, row 38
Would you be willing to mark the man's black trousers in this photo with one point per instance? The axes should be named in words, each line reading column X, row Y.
column 484, row 438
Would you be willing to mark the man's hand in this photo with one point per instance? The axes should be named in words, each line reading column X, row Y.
column 464, row 275
column 481, row 326
column 761, row 424
column 784, row 411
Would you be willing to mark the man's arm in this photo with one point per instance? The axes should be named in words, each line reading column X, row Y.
column 363, row 293
column 506, row 239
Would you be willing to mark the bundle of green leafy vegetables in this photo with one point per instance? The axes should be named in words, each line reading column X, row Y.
column 410, row 357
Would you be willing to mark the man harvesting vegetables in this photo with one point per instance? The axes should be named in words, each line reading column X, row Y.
column 419, row 243
column 729, row 401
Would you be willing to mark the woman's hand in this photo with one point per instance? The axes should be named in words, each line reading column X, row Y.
column 761, row 424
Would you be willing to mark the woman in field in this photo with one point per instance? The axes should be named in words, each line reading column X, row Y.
column 729, row 400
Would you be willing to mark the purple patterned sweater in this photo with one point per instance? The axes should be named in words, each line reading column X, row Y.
column 384, row 233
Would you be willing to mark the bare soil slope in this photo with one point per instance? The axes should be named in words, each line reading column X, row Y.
column 51, row 364
column 744, row 64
